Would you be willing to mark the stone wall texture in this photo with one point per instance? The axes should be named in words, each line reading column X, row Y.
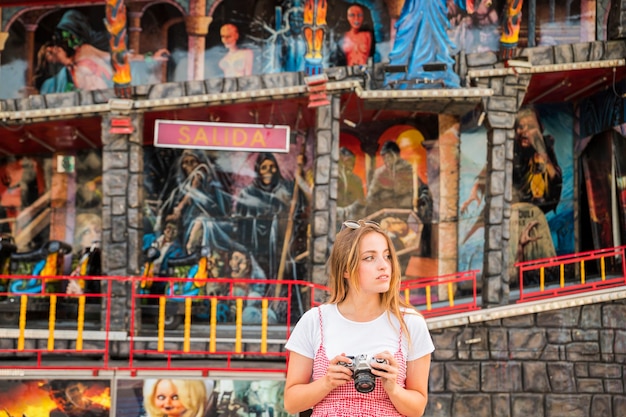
column 567, row 362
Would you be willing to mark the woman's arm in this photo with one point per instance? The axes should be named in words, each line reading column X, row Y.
column 411, row 400
column 300, row 392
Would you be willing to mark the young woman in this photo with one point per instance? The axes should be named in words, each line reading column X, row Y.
column 364, row 323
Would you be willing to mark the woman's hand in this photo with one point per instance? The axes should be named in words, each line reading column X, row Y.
column 388, row 372
column 336, row 374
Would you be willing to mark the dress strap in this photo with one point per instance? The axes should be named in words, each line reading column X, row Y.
column 319, row 311
column 400, row 338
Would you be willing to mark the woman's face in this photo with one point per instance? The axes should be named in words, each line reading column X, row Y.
column 166, row 399
column 355, row 17
column 229, row 35
column 374, row 264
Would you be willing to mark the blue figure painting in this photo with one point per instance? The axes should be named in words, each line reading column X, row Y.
column 421, row 40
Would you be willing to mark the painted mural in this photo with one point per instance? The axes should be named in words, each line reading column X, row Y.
column 392, row 186
column 24, row 180
column 475, row 26
column 42, row 202
column 171, row 397
column 620, row 180
column 294, row 35
column 471, row 197
column 542, row 210
column 199, row 398
column 600, row 147
column 603, row 170
column 423, row 23
column 78, row 57
column 55, row 398
column 73, row 48
column 250, row 210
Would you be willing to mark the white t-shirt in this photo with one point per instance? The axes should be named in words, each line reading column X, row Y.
column 353, row 338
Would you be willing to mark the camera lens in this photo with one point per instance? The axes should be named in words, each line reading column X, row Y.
column 364, row 381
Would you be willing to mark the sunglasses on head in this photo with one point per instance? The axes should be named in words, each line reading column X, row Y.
column 355, row 224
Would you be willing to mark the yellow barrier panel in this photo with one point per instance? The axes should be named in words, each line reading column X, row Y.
column 264, row 326
column 187, row 336
column 428, row 300
column 407, row 296
column 161, row 330
column 51, row 321
column 562, row 276
column 213, row 322
column 81, row 323
column 450, row 295
column 23, row 308
column 602, row 269
column 582, row 271
column 238, row 325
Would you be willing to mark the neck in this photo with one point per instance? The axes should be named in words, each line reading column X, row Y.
column 361, row 308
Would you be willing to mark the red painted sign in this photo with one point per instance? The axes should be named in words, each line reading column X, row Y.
column 221, row 136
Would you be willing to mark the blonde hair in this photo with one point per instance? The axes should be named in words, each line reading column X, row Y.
column 344, row 256
column 191, row 392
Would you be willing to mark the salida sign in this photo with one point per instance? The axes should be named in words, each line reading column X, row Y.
column 221, row 136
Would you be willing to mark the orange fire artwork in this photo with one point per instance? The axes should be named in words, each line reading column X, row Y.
column 37, row 398
column 314, row 26
column 116, row 25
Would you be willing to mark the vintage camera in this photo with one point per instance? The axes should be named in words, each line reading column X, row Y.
column 361, row 367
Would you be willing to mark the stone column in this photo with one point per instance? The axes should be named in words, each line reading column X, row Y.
column 501, row 110
column 134, row 28
column 122, row 232
column 165, row 27
column 29, row 52
column 449, row 160
column 197, row 25
column 324, row 210
column 497, row 212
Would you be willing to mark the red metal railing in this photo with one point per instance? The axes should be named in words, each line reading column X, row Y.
column 571, row 274
column 252, row 327
column 195, row 324
column 224, row 324
column 61, row 326
column 267, row 329
column 439, row 296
